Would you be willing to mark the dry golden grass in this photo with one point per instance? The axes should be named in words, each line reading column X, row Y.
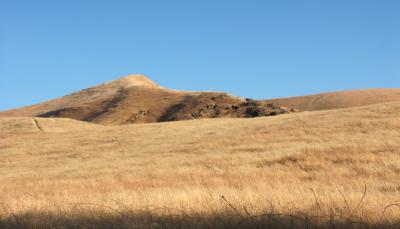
column 305, row 169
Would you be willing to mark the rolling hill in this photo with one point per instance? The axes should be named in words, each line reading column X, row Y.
column 137, row 99
column 340, row 99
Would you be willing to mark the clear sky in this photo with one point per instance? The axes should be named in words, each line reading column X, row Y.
column 257, row 49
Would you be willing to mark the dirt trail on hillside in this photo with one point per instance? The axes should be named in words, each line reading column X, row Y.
column 37, row 125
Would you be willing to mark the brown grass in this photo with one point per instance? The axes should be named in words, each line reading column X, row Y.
column 312, row 170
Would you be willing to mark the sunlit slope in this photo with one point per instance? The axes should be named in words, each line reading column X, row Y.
column 282, row 163
column 253, row 145
column 340, row 99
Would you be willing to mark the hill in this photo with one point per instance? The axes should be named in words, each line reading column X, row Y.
column 137, row 99
column 321, row 169
column 341, row 99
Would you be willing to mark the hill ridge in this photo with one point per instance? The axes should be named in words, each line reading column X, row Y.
column 339, row 99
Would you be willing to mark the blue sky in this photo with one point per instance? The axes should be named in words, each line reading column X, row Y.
column 256, row 49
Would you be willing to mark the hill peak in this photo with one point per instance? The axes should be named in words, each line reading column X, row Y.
column 135, row 80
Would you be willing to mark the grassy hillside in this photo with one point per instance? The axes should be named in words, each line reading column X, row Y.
column 137, row 99
column 315, row 169
column 340, row 99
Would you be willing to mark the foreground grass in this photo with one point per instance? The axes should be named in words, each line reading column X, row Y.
column 337, row 168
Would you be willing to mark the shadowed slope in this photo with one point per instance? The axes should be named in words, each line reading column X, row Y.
column 137, row 99
column 341, row 99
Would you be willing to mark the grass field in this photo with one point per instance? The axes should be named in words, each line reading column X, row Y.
column 324, row 169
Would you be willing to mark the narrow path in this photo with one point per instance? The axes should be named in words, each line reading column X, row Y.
column 37, row 125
